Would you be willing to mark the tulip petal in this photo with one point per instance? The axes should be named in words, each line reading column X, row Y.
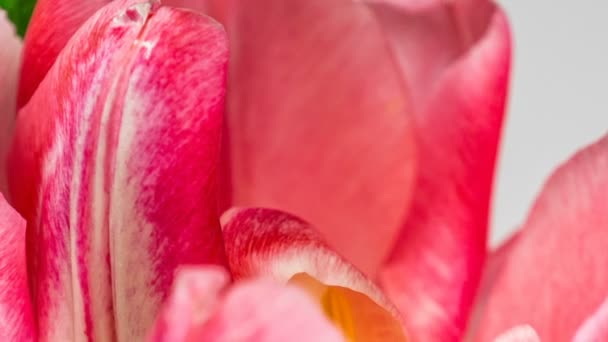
column 267, row 242
column 9, row 67
column 520, row 333
column 114, row 166
column 251, row 311
column 555, row 275
column 318, row 121
column 457, row 71
column 595, row 327
column 52, row 24
column 16, row 320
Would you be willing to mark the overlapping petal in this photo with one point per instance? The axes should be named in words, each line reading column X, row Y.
column 52, row 24
column 114, row 165
column 16, row 319
column 555, row 275
column 9, row 66
column 260, row 310
column 265, row 242
column 318, row 120
column 455, row 58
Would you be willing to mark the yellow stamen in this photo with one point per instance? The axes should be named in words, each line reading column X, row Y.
column 359, row 318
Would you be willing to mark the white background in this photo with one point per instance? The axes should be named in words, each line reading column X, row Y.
column 559, row 97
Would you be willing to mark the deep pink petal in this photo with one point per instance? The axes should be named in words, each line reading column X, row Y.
column 456, row 62
column 9, row 70
column 595, row 327
column 16, row 319
column 270, row 243
column 555, row 275
column 319, row 124
column 252, row 311
column 52, row 24
column 114, row 166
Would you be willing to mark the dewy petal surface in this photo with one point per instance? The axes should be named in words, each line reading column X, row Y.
column 16, row 319
column 270, row 243
column 9, row 68
column 555, row 275
column 455, row 58
column 201, row 308
column 318, row 121
column 114, row 166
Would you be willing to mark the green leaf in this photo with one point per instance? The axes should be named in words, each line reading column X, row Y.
column 19, row 12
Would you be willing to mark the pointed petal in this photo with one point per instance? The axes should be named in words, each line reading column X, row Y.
column 117, row 174
column 9, row 70
column 251, row 311
column 556, row 275
column 16, row 320
column 266, row 242
column 458, row 77
column 318, row 121
column 595, row 327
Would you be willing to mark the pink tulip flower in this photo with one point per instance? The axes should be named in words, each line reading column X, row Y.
column 304, row 170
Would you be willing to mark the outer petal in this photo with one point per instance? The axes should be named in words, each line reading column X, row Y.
column 114, row 166
column 9, row 64
column 52, row 24
column 252, row 311
column 556, row 275
column 266, row 242
column 456, row 61
column 16, row 320
column 318, row 121
column 595, row 327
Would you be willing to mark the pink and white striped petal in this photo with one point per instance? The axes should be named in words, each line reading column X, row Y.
column 9, row 72
column 555, row 275
column 114, row 166
column 16, row 319
column 319, row 123
column 455, row 57
column 271, row 243
column 203, row 307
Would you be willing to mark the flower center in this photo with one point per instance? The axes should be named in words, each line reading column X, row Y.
column 358, row 317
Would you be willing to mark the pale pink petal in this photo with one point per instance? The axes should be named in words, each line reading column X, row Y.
column 9, row 70
column 114, row 166
column 16, row 319
column 266, row 242
column 252, row 311
column 555, row 275
column 456, row 62
column 595, row 327
column 520, row 333
column 319, row 124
